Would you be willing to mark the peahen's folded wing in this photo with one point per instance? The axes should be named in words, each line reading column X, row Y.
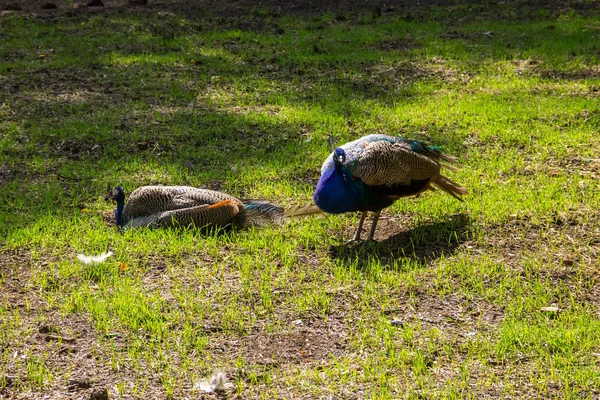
column 385, row 163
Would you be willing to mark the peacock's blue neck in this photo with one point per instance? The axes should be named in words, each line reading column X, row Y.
column 337, row 192
column 119, row 211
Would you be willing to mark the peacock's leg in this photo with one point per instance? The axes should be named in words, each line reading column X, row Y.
column 374, row 225
column 356, row 237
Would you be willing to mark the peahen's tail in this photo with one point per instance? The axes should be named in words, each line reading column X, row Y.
column 450, row 187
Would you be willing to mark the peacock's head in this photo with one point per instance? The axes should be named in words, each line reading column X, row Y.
column 117, row 194
column 339, row 156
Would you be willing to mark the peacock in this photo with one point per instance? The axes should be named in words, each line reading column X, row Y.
column 371, row 173
column 171, row 206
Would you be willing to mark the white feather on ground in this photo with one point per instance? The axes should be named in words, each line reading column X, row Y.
column 94, row 259
column 217, row 383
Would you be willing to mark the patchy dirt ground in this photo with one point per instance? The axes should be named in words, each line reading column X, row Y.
column 69, row 345
column 72, row 346
column 236, row 7
column 75, row 351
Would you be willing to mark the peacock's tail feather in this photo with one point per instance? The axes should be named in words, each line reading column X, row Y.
column 298, row 211
column 219, row 214
column 450, row 187
column 302, row 211
column 258, row 213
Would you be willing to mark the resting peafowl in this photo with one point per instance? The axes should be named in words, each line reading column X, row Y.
column 169, row 206
column 371, row 173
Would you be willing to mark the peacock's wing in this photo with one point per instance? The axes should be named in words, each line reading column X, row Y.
column 386, row 162
column 219, row 214
column 203, row 196
column 150, row 200
column 356, row 148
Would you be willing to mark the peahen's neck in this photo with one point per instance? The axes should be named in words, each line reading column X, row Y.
column 337, row 192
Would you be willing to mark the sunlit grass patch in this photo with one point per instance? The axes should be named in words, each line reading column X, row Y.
column 495, row 297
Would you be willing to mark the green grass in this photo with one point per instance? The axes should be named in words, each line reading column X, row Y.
column 446, row 305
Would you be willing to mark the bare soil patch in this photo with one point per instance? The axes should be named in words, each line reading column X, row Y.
column 378, row 8
column 73, row 354
column 567, row 238
column 455, row 314
column 7, row 174
column 588, row 73
column 305, row 343
column 533, row 67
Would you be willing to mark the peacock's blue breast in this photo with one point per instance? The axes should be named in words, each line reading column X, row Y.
column 337, row 192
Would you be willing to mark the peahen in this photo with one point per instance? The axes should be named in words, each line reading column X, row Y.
column 170, row 206
column 371, row 173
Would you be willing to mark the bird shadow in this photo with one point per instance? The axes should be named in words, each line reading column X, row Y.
column 420, row 245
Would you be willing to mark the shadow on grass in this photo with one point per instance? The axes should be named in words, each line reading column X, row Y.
column 421, row 245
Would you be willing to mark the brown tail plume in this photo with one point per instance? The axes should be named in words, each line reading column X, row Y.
column 301, row 211
column 450, row 187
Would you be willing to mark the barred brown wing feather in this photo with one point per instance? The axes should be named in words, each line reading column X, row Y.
column 167, row 206
column 149, row 200
column 198, row 216
column 205, row 196
column 386, row 163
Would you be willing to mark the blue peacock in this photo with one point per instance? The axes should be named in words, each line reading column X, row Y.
column 371, row 173
column 172, row 206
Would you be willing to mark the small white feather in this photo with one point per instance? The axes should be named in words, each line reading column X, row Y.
column 217, row 383
column 94, row 259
